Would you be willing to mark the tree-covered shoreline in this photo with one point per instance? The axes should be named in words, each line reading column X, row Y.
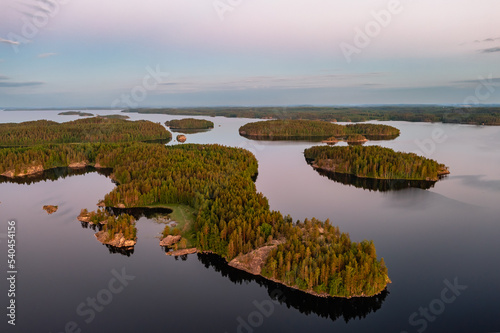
column 96, row 129
column 313, row 129
column 189, row 124
column 232, row 218
column 374, row 162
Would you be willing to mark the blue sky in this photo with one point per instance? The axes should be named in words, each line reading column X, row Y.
column 129, row 53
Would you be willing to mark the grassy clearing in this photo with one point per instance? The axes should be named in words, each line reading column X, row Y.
column 184, row 216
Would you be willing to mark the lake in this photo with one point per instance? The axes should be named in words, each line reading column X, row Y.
column 440, row 245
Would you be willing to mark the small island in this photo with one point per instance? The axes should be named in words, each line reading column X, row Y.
column 355, row 139
column 315, row 130
column 181, row 138
column 76, row 113
column 117, row 231
column 374, row 162
column 50, row 209
column 114, row 116
column 189, row 125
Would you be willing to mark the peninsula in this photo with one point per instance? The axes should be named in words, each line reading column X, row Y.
column 96, row 129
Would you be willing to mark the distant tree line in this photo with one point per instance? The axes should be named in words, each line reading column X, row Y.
column 475, row 115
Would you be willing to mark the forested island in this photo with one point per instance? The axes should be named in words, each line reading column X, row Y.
column 374, row 162
column 316, row 130
column 76, row 113
column 97, row 129
column 474, row 115
column 231, row 218
column 189, row 124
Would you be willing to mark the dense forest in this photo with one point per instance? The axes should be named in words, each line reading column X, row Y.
column 189, row 123
column 232, row 217
column 76, row 113
column 317, row 256
column 374, row 162
column 313, row 129
column 98, row 129
column 476, row 115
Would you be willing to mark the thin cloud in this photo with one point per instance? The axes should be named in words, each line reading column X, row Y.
column 490, row 80
column 275, row 82
column 490, row 50
column 46, row 55
column 7, row 41
column 3, row 77
column 20, row 84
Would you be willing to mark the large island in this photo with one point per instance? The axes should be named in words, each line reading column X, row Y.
column 314, row 130
column 230, row 218
column 374, row 162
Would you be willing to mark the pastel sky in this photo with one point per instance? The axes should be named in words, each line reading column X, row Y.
column 128, row 53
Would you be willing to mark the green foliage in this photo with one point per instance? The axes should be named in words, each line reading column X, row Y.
column 415, row 113
column 112, row 224
column 374, row 162
column 97, row 129
column 302, row 129
column 231, row 216
column 317, row 257
column 189, row 123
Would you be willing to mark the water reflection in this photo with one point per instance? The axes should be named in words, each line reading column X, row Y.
column 128, row 251
column 371, row 184
column 332, row 308
column 55, row 174
column 189, row 131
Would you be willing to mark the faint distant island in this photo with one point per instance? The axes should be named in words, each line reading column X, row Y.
column 374, row 162
column 465, row 114
column 316, row 130
column 189, row 125
column 86, row 114
column 76, row 113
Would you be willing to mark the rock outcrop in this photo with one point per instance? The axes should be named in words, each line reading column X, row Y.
column 117, row 241
column 170, row 240
column 50, row 209
column 181, row 138
column 253, row 261
column 182, row 252
column 26, row 172
column 78, row 165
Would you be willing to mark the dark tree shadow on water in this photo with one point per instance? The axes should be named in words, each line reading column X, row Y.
column 326, row 307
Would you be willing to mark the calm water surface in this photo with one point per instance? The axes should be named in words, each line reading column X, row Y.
column 448, row 232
